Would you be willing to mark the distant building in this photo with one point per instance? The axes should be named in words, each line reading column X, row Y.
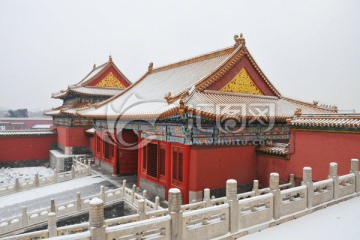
column 22, row 123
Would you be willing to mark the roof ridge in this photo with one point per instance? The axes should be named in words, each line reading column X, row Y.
column 238, row 94
column 307, row 104
column 198, row 58
column 103, row 66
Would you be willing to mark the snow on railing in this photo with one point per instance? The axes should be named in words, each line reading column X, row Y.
column 78, row 170
column 230, row 216
column 80, row 204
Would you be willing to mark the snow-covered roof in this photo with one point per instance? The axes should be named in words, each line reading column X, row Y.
column 328, row 120
column 42, row 126
column 209, row 101
column 151, row 89
column 26, row 133
column 276, row 148
column 185, row 85
column 83, row 86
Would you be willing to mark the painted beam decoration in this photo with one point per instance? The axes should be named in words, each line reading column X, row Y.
column 205, row 135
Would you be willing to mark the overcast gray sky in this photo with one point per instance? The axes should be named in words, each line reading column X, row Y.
column 308, row 49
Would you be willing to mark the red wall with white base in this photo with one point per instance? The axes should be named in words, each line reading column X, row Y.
column 25, row 148
column 315, row 149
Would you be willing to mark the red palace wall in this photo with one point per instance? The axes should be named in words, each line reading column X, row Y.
column 25, row 148
column 210, row 167
column 314, row 149
column 72, row 136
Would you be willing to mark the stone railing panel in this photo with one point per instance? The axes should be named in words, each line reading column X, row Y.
column 30, row 236
column 346, row 185
column 158, row 228
column 122, row 220
column 255, row 210
column 77, row 228
column 323, row 191
column 293, row 200
column 206, row 223
column 193, row 206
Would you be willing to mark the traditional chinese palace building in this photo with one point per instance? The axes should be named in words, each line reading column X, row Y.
column 191, row 124
column 74, row 132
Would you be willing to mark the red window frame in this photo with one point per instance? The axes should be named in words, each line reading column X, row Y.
column 177, row 169
column 98, row 144
column 160, row 161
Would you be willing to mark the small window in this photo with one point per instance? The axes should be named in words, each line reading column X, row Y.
column 144, row 157
column 152, row 160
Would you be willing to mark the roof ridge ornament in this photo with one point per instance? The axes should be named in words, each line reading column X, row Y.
column 110, row 58
column 168, row 97
column 298, row 112
column 239, row 40
column 150, row 67
column 94, row 66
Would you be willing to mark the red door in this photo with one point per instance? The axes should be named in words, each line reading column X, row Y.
column 128, row 153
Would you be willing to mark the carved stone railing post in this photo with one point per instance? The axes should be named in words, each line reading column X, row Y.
column 37, row 180
column 141, row 209
column 133, row 193
column 157, row 202
column 175, row 213
column 144, row 194
column 256, row 188
column 355, row 170
column 52, row 228
column 333, row 174
column 89, row 168
column 24, row 217
column 292, row 180
column 307, row 180
column 52, row 205
column 231, row 197
column 78, row 201
column 275, row 190
column 207, row 198
column 102, row 193
column 96, row 219
column 55, row 176
column 123, row 188
column 72, row 172
column 17, row 185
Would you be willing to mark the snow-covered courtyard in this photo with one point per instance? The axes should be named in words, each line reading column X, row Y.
column 340, row 221
column 8, row 175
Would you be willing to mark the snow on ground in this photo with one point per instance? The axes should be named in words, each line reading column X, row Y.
column 38, row 198
column 8, row 175
column 340, row 221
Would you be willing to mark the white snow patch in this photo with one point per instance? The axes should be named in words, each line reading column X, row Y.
column 96, row 201
column 340, row 221
column 48, row 190
column 8, row 175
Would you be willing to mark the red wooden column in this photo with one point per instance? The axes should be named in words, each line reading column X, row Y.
column 186, row 171
column 140, row 159
column 116, row 162
column 95, row 144
column 167, row 168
